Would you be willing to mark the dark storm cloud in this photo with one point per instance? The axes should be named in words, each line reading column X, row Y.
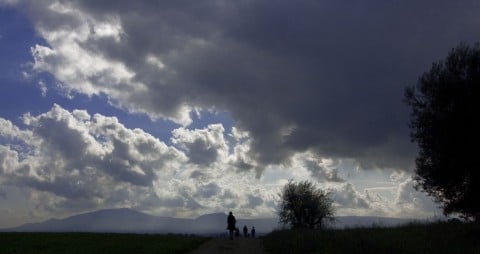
column 324, row 76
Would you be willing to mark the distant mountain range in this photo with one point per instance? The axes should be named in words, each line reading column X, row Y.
column 126, row 220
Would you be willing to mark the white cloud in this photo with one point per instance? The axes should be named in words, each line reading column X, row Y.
column 9, row 130
column 347, row 197
column 75, row 57
column 109, row 28
column 322, row 170
column 71, row 161
column 79, row 159
column 202, row 146
column 43, row 88
column 155, row 61
column 412, row 202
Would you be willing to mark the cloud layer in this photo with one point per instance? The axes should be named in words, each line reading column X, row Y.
column 314, row 91
column 78, row 157
column 324, row 77
column 70, row 161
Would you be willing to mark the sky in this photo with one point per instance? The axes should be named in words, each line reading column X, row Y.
column 182, row 108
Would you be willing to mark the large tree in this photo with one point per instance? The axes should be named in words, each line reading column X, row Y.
column 303, row 205
column 444, row 123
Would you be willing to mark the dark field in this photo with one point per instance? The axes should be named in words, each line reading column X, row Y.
column 96, row 243
column 432, row 238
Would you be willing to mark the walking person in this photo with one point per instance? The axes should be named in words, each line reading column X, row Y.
column 231, row 224
column 253, row 232
column 245, row 231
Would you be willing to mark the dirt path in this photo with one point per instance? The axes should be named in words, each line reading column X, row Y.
column 225, row 245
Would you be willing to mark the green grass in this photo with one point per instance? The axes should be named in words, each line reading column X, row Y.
column 93, row 243
column 428, row 238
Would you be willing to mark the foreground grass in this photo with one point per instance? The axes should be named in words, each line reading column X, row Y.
column 431, row 238
column 93, row 243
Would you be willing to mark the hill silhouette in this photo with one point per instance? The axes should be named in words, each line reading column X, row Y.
column 125, row 220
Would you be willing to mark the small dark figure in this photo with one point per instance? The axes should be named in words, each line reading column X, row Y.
column 245, row 231
column 253, row 232
column 231, row 224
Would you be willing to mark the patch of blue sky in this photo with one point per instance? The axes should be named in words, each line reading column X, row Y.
column 206, row 117
column 20, row 94
column 17, row 93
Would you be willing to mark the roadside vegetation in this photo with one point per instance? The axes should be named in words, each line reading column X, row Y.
column 304, row 205
column 92, row 243
column 444, row 107
column 440, row 237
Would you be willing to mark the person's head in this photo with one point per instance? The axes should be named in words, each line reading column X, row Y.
column 230, row 213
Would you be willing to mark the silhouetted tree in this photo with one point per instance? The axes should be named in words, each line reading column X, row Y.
column 304, row 205
column 444, row 123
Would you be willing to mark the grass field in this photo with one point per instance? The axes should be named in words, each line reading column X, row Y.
column 93, row 243
column 432, row 238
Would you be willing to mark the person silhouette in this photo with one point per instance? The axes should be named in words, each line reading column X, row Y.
column 245, row 231
column 253, row 232
column 231, row 224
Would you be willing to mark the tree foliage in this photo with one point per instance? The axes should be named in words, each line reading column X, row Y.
column 303, row 205
column 444, row 123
